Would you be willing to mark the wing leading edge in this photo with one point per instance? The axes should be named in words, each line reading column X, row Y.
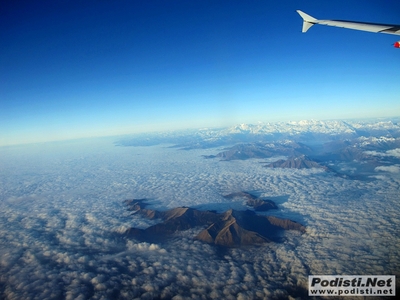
column 309, row 21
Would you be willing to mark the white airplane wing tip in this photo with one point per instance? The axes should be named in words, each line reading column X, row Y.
column 308, row 21
column 306, row 17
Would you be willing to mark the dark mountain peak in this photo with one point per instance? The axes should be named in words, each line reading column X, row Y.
column 229, row 233
column 176, row 213
column 139, row 207
column 296, row 162
column 135, row 204
column 286, row 224
column 263, row 150
column 251, row 200
column 238, row 228
column 231, row 228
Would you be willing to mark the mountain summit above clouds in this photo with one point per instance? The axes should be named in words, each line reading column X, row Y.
column 294, row 127
column 298, row 162
column 237, row 228
column 298, row 131
column 262, row 150
column 253, row 201
column 230, row 229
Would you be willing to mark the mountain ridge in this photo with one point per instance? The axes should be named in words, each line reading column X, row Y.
column 229, row 229
column 297, row 162
column 305, row 130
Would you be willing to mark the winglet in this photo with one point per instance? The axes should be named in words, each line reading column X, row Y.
column 308, row 21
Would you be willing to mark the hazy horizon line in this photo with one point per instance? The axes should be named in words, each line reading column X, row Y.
column 177, row 130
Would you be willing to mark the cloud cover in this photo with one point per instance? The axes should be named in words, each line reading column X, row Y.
column 391, row 169
column 62, row 215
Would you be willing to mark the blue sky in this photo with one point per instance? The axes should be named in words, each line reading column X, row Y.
column 71, row 69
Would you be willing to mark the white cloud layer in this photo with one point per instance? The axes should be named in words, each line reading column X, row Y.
column 391, row 169
column 393, row 152
column 62, row 215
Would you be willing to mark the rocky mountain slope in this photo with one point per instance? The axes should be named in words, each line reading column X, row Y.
column 253, row 201
column 298, row 162
column 262, row 150
column 230, row 229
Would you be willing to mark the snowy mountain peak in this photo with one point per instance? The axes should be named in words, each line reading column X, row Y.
column 294, row 127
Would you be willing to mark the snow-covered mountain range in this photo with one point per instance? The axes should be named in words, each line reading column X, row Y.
column 303, row 131
column 333, row 127
column 361, row 145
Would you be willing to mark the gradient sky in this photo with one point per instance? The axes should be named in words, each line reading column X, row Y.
column 71, row 69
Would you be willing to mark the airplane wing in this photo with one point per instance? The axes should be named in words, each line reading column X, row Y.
column 309, row 21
